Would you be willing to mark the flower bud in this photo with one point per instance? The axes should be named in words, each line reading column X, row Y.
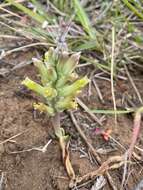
column 71, row 64
column 61, row 62
column 50, row 57
column 42, row 70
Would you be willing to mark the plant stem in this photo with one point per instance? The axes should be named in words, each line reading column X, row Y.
column 64, row 144
column 56, row 122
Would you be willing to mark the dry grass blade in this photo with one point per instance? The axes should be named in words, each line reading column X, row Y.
column 13, row 137
column 88, row 111
column 112, row 73
column 133, row 85
column 23, row 47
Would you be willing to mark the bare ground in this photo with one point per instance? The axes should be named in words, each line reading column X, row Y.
column 44, row 171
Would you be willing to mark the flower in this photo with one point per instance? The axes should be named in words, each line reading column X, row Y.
column 43, row 108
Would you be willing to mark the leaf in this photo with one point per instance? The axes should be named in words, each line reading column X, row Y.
column 83, row 18
column 41, row 10
column 133, row 9
column 112, row 111
column 27, row 11
column 88, row 45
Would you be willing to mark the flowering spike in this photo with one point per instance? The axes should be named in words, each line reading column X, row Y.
column 59, row 81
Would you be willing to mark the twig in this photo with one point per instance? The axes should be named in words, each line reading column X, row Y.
column 88, row 111
column 10, row 12
column 125, row 172
column 12, row 37
column 41, row 149
column 102, row 169
column 7, row 140
column 98, row 91
column 138, row 148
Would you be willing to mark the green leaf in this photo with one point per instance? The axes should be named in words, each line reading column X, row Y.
column 83, row 18
column 133, row 9
column 110, row 112
column 27, row 11
column 88, row 45
column 41, row 11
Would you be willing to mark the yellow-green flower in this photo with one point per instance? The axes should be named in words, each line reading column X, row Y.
column 74, row 88
column 43, row 91
column 66, row 103
column 44, row 108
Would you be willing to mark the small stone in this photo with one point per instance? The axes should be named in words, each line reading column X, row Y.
column 12, row 147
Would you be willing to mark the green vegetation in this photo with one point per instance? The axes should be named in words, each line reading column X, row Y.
column 59, row 88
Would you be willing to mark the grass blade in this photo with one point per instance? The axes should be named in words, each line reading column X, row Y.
column 110, row 112
column 88, row 45
column 133, row 9
column 27, row 11
column 41, row 10
column 83, row 18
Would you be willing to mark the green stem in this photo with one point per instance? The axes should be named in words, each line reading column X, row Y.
column 133, row 9
column 56, row 122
